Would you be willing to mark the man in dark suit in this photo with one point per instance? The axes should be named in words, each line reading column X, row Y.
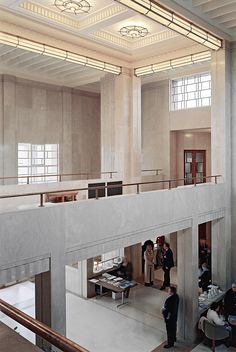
column 230, row 301
column 170, row 314
column 168, row 263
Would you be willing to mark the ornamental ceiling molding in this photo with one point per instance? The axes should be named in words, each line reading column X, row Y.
column 129, row 43
column 154, row 38
column 49, row 14
column 111, row 38
column 102, row 15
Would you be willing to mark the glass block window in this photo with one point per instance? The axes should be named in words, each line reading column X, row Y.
column 37, row 160
column 191, row 92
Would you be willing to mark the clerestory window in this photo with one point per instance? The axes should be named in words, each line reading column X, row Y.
column 190, row 92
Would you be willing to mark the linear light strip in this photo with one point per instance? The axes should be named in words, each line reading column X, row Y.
column 61, row 54
column 173, row 63
column 173, row 21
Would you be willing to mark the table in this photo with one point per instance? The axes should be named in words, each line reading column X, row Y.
column 204, row 305
column 114, row 286
column 60, row 197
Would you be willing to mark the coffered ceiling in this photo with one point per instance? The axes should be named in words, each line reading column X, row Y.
column 102, row 25
column 98, row 32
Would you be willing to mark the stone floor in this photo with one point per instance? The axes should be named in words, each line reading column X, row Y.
column 99, row 326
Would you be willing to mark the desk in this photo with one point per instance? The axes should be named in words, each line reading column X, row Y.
column 115, row 286
column 60, row 197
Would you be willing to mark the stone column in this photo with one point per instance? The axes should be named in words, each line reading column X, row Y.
column 121, row 125
column 187, row 247
column 219, row 259
column 43, row 303
column 1, row 130
column 221, row 143
column 134, row 254
column 9, row 129
column 50, row 293
column 66, row 155
column 233, row 159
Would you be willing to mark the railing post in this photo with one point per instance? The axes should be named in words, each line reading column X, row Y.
column 137, row 188
column 215, row 179
column 41, row 200
column 27, row 180
column 60, row 178
column 169, row 182
column 96, row 193
column 195, row 181
column 110, row 174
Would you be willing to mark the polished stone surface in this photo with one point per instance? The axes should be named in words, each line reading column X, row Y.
column 11, row 341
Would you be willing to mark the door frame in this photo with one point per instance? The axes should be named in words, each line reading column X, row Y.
column 204, row 163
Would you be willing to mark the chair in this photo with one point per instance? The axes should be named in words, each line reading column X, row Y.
column 214, row 332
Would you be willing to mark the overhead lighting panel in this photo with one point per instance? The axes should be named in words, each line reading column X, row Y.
column 57, row 53
column 173, row 63
column 173, row 21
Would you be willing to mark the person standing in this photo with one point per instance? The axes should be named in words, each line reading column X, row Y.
column 204, row 278
column 126, row 272
column 230, row 301
column 149, row 266
column 168, row 263
column 170, row 314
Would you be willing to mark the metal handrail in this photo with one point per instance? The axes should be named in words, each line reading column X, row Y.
column 28, row 177
column 158, row 171
column 97, row 188
column 40, row 329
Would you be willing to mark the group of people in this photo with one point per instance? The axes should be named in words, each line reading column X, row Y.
column 167, row 262
column 164, row 258
column 219, row 314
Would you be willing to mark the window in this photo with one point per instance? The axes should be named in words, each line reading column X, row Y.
column 36, row 160
column 191, row 92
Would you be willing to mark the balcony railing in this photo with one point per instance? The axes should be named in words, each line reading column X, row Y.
column 40, row 329
column 97, row 188
column 59, row 176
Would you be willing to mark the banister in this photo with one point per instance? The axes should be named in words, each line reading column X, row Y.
column 110, row 173
column 97, row 188
column 40, row 329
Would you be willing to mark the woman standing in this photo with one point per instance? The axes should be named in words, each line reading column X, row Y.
column 149, row 266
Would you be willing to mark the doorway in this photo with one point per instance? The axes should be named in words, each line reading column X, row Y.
column 194, row 166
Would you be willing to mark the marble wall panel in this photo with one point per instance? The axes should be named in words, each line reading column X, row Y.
column 37, row 113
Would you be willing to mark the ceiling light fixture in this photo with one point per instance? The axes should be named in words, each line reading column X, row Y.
column 61, row 54
column 173, row 63
column 133, row 31
column 73, row 6
column 173, row 21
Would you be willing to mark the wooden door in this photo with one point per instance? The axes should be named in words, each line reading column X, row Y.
column 194, row 166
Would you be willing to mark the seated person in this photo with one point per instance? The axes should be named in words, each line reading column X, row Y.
column 214, row 317
column 204, row 277
column 230, row 301
column 126, row 272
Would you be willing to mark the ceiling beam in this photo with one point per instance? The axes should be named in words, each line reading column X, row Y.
column 11, row 56
column 225, row 18
column 222, row 11
column 64, row 69
column 197, row 3
column 217, row 4
column 41, row 61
